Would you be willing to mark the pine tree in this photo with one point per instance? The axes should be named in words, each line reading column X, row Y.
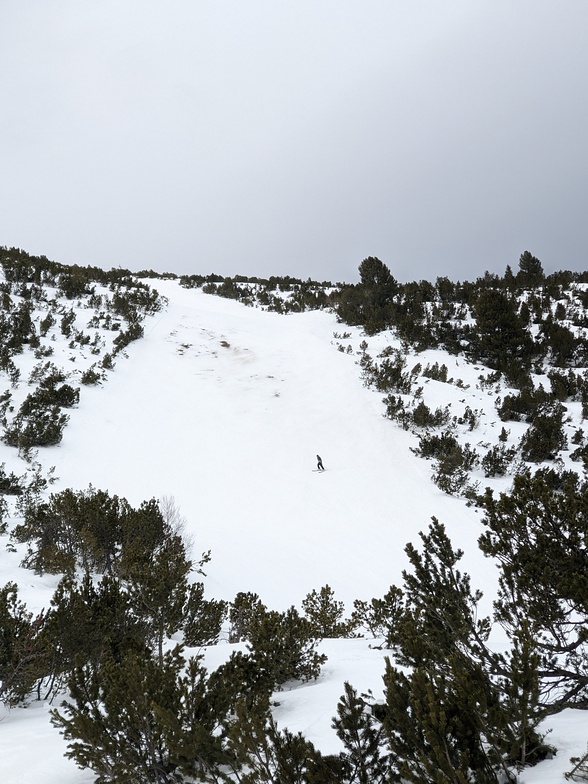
column 431, row 720
column 325, row 614
column 264, row 754
column 91, row 620
column 365, row 757
column 371, row 302
column 520, row 741
column 378, row 288
column 561, row 343
column 545, row 437
column 441, row 610
column 242, row 611
column 139, row 720
column 157, row 586
column 530, row 272
column 24, row 653
column 380, row 617
column 202, row 619
column 501, row 341
column 73, row 529
column 462, row 713
column 283, row 646
column 538, row 533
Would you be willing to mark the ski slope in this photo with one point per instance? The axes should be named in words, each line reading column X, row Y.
column 224, row 408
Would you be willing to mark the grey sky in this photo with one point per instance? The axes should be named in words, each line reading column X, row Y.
column 297, row 137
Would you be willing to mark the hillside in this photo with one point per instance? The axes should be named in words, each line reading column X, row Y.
column 222, row 407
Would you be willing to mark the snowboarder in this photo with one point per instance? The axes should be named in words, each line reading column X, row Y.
column 319, row 464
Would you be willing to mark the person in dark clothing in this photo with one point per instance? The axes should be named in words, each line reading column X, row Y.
column 319, row 463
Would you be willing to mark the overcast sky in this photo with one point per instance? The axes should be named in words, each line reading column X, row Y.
column 295, row 137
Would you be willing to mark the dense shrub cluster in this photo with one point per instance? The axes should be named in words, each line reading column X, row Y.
column 281, row 294
column 453, row 709
column 143, row 596
column 40, row 420
column 518, row 326
column 489, row 320
column 136, row 709
column 41, row 299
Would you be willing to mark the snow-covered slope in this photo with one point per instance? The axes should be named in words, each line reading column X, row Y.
column 223, row 408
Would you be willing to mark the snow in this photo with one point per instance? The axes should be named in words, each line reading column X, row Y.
column 223, row 408
column 32, row 751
